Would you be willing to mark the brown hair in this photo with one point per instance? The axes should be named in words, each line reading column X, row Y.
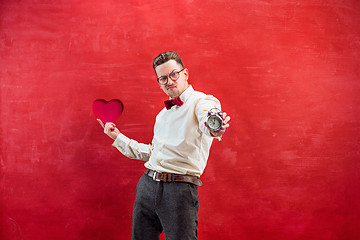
column 166, row 56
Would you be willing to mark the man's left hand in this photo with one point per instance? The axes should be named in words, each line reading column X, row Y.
column 223, row 128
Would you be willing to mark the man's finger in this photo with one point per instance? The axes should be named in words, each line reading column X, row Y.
column 101, row 123
column 225, row 126
column 227, row 119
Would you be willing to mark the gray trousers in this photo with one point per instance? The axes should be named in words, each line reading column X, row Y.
column 171, row 207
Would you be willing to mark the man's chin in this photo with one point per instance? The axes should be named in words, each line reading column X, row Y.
column 172, row 94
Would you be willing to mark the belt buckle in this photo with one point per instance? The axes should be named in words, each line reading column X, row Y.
column 154, row 177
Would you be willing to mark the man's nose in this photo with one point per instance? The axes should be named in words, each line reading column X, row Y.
column 170, row 81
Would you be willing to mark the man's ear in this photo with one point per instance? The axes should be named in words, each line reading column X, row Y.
column 186, row 74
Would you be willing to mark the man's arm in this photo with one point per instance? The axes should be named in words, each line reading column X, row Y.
column 110, row 129
column 129, row 147
column 219, row 133
column 202, row 109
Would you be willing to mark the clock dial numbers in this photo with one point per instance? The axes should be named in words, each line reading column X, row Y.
column 214, row 122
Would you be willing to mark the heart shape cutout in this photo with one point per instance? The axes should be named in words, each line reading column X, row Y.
column 107, row 111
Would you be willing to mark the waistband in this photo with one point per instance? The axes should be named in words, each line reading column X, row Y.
column 170, row 177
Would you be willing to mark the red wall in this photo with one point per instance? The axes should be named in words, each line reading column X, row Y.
column 287, row 71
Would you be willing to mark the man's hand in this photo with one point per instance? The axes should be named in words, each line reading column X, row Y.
column 223, row 128
column 109, row 129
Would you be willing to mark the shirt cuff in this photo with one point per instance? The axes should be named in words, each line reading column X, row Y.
column 218, row 138
column 121, row 141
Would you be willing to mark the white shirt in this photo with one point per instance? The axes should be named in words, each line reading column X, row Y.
column 181, row 141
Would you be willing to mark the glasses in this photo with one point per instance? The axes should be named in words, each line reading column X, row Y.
column 174, row 75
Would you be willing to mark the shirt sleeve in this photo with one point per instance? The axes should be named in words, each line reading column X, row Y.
column 202, row 108
column 131, row 148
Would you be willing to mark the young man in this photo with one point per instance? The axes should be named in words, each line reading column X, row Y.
column 167, row 194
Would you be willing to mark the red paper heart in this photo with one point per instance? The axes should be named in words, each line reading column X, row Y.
column 107, row 111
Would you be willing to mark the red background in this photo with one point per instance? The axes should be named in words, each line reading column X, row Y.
column 287, row 72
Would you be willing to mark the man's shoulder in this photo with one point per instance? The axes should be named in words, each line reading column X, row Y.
column 201, row 99
column 198, row 94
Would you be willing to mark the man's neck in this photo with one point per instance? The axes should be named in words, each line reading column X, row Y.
column 171, row 98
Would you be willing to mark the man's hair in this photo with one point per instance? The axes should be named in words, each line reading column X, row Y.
column 166, row 56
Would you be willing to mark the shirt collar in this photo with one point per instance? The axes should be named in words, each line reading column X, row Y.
column 186, row 94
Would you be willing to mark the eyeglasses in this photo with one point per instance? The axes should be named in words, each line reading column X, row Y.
column 174, row 75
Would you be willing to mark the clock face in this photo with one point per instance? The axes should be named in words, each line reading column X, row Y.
column 214, row 123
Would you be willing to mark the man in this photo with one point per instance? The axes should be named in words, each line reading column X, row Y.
column 167, row 194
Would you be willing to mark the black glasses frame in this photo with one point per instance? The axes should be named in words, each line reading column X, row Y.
column 169, row 76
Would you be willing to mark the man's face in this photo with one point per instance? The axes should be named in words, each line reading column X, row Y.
column 173, row 88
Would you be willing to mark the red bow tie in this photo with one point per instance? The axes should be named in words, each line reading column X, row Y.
column 176, row 101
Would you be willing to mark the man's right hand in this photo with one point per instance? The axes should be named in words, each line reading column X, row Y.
column 109, row 129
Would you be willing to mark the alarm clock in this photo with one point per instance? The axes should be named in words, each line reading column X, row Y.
column 214, row 119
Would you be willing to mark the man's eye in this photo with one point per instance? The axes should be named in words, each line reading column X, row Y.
column 174, row 75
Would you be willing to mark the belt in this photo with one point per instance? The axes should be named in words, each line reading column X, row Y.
column 170, row 177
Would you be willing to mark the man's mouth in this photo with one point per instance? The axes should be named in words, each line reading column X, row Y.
column 171, row 87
